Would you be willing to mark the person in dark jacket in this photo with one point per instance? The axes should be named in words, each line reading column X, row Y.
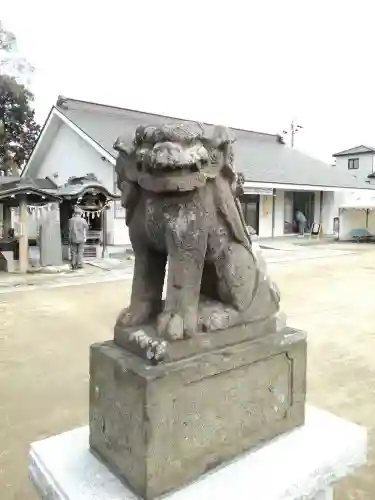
column 78, row 229
column 301, row 221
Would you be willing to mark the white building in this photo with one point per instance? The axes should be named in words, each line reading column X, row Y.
column 357, row 208
column 78, row 136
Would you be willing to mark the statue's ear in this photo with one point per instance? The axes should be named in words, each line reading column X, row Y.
column 121, row 146
column 125, row 161
column 222, row 135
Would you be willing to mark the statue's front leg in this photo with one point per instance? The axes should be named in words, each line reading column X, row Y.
column 180, row 316
column 147, row 289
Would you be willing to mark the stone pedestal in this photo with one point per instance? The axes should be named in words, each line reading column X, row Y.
column 301, row 464
column 159, row 427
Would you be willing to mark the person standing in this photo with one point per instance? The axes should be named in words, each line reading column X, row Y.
column 301, row 221
column 78, row 229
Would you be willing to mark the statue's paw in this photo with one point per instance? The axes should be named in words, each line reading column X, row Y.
column 134, row 315
column 173, row 326
column 215, row 322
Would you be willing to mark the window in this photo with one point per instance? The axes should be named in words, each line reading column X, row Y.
column 353, row 163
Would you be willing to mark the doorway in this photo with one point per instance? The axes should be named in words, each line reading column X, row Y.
column 250, row 209
column 304, row 202
column 298, row 200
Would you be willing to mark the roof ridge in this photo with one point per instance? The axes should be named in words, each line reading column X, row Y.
column 346, row 151
column 110, row 106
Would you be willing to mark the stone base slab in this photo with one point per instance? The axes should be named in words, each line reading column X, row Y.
column 301, row 464
column 145, row 343
column 159, row 427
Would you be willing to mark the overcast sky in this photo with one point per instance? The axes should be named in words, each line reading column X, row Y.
column 248, row 64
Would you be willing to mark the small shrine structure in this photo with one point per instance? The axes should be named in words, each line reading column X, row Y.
column 14, row 242
column 94, row 200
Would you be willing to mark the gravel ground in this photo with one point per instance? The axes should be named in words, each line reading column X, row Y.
column 45, row 336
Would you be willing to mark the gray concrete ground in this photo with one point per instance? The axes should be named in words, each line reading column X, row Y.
column 45, row 336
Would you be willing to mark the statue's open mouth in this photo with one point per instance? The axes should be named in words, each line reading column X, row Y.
column 160, row 169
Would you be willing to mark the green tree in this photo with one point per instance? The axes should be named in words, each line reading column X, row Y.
column 18, row 129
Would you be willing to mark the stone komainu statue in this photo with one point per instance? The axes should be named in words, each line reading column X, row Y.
column 178, row 187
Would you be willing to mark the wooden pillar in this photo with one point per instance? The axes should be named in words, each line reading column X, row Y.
column 321, row 207
column 273, row 211
column 104, row 232
column 23, row 241
column 7, row 219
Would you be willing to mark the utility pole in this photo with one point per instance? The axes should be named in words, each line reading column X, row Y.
column 294, row 128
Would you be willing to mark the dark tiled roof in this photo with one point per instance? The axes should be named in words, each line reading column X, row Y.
column 74, row 190
column 261, row 157
column 48, row 189
column 35, row 190
column 4, row 179
column 46, row 183
column 33, row 195
column 34, row 183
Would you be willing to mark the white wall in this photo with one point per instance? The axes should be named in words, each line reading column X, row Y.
column 265, row 216
column 121, row 232
column 69, row 155
column 366, row 163
column 329, row 211
column 279, row 213
column 317, row 206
